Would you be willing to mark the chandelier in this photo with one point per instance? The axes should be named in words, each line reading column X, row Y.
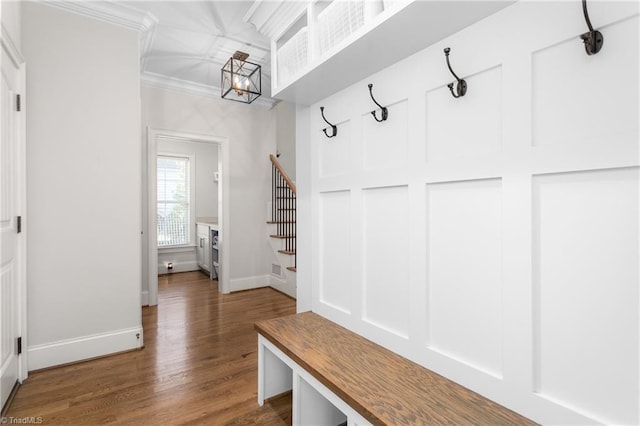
column 241, row 80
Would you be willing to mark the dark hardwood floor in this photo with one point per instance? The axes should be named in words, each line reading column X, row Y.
column 198, row 366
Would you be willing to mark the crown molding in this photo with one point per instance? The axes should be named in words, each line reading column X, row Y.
column 146, row 38
column 108, row 11
column 150, row 79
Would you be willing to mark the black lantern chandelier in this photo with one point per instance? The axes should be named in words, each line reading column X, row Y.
column 240, row 80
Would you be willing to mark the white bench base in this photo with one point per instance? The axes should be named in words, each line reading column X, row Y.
column 313, row 403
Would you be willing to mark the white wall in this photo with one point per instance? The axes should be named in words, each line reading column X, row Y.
column 205, row 203
column 305, row 218
column 11, row 12
column 286, row 137
column 83, row 186
column 251, row 133
column 492, row 238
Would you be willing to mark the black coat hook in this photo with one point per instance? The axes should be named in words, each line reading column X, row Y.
column 334, row 128
column 385, row 111
column 461, row 88
column 592, row 39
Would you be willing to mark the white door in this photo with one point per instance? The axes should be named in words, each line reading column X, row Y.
column 10, row 265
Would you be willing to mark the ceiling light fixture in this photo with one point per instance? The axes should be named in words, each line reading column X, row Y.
column 241, row 80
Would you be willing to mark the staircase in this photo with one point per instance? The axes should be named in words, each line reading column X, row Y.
column 283, row 211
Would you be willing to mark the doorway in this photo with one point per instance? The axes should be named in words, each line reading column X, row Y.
column 156, row 138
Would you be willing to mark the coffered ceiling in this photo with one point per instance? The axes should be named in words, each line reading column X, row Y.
column 184, row 44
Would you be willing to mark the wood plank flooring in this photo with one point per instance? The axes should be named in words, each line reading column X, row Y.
column 198, row 366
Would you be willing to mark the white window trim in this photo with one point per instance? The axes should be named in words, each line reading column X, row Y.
column 176, row 249
column 192, row 196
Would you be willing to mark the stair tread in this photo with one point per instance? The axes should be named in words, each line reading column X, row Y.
column 292, row 268
column 282, row 236
column 291, row 252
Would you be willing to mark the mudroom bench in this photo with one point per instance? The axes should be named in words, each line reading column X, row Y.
column 338, row 377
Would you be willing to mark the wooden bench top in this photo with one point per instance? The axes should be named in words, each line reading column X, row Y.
column 382, row 386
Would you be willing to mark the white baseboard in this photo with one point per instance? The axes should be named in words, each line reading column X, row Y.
column 144, row 297
column 249, row 283
column 82, row 348
column 284, row 286
column 179, row 267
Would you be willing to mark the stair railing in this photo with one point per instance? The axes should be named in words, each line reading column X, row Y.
column 283, row 208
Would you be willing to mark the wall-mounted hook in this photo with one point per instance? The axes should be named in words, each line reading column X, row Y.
column 334, row 128
column 461, row 88
column 592, row 39
column 385, row 111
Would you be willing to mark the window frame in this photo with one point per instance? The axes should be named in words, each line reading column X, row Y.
column 191, row 204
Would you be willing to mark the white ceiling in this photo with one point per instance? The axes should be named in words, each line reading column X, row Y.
column 184, row 44
column 194, row 39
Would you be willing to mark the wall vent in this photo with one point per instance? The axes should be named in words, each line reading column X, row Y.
column 276, row 269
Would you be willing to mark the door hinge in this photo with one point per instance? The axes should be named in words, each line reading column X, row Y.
column 19, row 224
column 19, row 344
column 18, row 107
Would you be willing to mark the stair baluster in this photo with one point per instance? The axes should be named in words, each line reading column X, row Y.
column 283, row 209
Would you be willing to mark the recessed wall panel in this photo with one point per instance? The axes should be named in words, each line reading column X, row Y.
column 335, row 153
column 386, row 264
column 385, row 144
column 469, row 125
column 464, row 234
column 336, row 281
column 577, row 98
column 586, row 291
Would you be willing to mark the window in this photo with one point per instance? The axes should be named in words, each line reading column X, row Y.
column 174, row 208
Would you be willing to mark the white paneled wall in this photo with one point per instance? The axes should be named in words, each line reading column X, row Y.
column 566, row 80
column 336, row 153
column 585, row 283
column 446, row 138
column 385, row 274
column 465, row 228
column 378, row 154
column 335, row 249
column 492, row 238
